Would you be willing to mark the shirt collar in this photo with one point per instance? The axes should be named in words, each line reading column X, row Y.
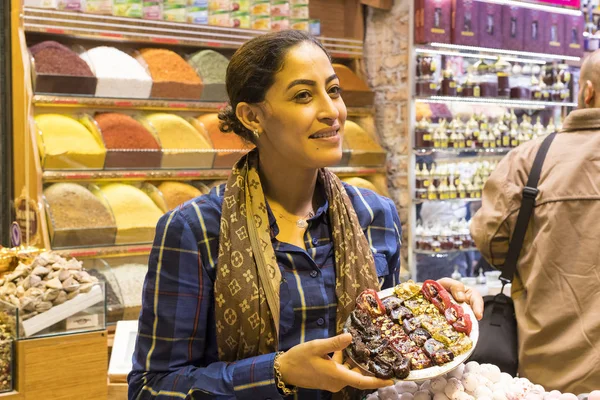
column 582, row 119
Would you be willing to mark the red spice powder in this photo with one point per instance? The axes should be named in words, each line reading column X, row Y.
column 120, row 131
column 55, row 59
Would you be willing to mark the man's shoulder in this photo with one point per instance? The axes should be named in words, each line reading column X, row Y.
column 203, row 213
column 367, row 202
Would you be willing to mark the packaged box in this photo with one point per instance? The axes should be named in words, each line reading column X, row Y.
column 98, row 7
column 574, row 27
column 174, row 10
column 280, row 9
column 513, row 26
column 240, row 6
column 197, row 15
column 240, row 20
column 418, row 22
column 314, row 27
column 280, row 23
column 490, row 26
column 535, row 26
column 219, row 18
column 71, row 5
column 555, row 33
column 260, row 9
column 299, row 24
column 299, row 12
column 465, row 22
column 261, row 23
column 152, row 9
column 128, row 8
column 298, row 2
column 41, row 3
column 198, row 3
column 219, row 5
column 435, row 24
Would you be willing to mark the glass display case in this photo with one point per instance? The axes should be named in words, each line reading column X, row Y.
column 8, row 334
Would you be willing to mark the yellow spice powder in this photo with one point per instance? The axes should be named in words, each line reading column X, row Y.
column 176, row 133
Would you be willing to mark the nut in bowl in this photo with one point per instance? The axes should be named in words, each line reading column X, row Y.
column 410, row 332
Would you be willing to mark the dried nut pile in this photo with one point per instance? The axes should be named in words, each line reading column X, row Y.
column 48, row 281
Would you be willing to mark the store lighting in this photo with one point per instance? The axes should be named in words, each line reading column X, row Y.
column 535, row 6
column 479, row 56
column 505, row 52
column 526, row 104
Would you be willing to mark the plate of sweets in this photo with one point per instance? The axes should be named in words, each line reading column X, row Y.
column 411, row 332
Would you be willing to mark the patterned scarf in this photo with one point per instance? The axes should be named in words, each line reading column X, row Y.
column 248, row 276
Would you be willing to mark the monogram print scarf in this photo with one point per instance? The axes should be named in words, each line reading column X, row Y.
column 248, row 276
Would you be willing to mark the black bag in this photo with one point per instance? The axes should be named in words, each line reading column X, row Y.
column 498, row 342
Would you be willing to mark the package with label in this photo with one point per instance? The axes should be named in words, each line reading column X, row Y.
column 513, row 26
column 71, row 5
column 260, row 9
column 314, row 27
column 127, row 8
column 240, row 6
column 174, row 10
column 574, row 26
column 219, row 18
column 280, row 23
column 152, row 9
column 435, row 21
column 555, row 33
column 260, row 23
column 98, row 7
column 299, row 24
column 299, row 12
column 296, row 2
column 197, row 15
column 490, row 25
column 465, row 22
column 219, row 5
column 239, row 19
column 280, row 9
column 535, row 26
column 198, row 3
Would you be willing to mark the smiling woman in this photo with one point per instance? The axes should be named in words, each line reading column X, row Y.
column 248, row 287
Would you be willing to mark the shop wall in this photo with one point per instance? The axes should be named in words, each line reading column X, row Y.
column 387, row 58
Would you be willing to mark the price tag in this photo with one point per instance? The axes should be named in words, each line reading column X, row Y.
column 82, row 321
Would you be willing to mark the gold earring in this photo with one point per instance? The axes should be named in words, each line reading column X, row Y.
column 256, row 134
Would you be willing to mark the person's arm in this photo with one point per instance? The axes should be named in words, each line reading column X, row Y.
column 170, row 357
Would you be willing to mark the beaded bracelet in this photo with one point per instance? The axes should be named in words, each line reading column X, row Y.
column 285, row 390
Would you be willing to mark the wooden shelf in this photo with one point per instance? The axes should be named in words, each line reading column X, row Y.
column 511, row 103
column 44, row 100
column 122, row 29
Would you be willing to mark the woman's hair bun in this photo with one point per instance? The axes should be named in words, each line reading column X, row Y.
column 231, row 123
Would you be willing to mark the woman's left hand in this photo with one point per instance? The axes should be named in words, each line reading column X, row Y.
column 461, row 293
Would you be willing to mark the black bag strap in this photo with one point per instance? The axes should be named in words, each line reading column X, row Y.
column 530, row 192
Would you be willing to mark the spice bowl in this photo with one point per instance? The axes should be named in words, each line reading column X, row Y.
column 62, row 84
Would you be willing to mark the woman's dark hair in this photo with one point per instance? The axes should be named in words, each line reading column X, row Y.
column 251, row 72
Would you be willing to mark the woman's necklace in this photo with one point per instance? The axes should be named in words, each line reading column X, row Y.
column 301, row 223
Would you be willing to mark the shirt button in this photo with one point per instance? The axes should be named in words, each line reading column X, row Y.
column 314, row 274
column 315, row 241
column 320, row 321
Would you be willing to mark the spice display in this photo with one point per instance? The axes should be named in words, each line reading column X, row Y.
column 449, row 181
column 176, row 193
column 210, row 65
column 183, row 145
column 55, row 59
column 67, row 144
column 416, row 328
column 119, row 74
column 129, row 143
column 465, row 22
column 135, row 213
column 113, row 293
column 364, row 148
column 172, row 76
column 77, row 217
column 229, row 145
column 356, row 92
column 47, row 281
column 473, row 381
column 130, row 278
column 361, row 183
column 454, row 235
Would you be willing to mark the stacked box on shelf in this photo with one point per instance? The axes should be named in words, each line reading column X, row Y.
column 490, row 27
column 574, row 27
column 465, row 22
column 535, row 28
column 175, row 10
column 433, row 21
column 513, row 24
column 128, row 8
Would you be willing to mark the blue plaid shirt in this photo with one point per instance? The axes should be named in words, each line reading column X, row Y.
column 176, row 349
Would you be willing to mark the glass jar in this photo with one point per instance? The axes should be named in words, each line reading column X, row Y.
column 419, row 184
column 469, row 140
column 460, row 141
column 550, row 128
column 483, row 140
column 468, row 87
column 437, row 139
column 520, row 88
column 452, row 191
column 538, row 128
column 426, row 66
column 423, row 134
column 503, row 71
column 432, row 193
column 426, row 87
column 442, row 190
column 448, row 83
column 536, row 91
column 461, row 190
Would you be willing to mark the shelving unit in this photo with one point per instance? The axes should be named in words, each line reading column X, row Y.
column 510, row 103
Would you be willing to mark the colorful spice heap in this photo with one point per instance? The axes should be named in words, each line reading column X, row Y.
column 356, row 92
column 176, row 193
column 135, row 213
column 365, row 151
column 119, row 74
column 210, row 65
column 68, row 144
column 172, row 76
column 182, row 143
column 55, row 59
column 78, row 217
column 231, row 147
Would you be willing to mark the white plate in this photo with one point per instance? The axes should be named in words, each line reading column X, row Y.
column 436, row 370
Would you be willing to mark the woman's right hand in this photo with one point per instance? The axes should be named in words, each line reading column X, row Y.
column 309, row 366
